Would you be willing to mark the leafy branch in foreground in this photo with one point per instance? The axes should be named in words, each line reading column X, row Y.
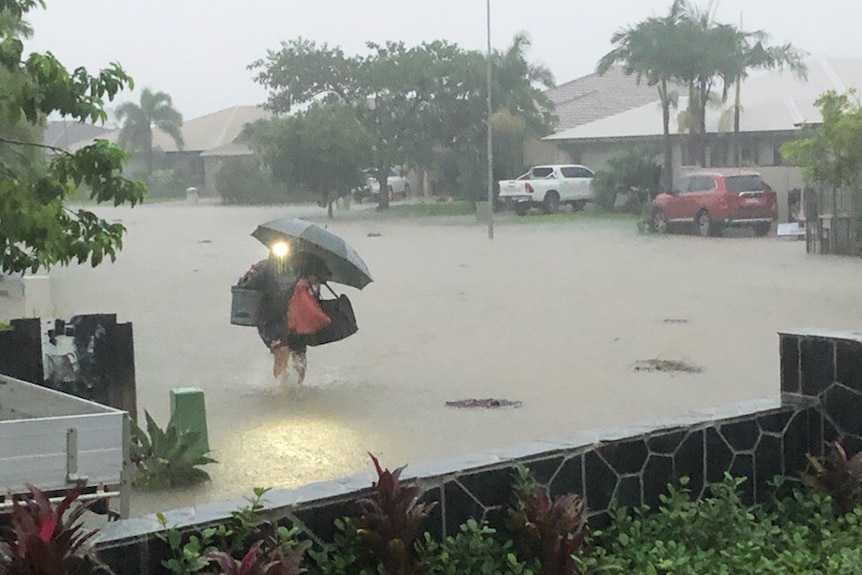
column 36, row 229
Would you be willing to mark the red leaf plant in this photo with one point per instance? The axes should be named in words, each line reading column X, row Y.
column 255, row 563
column 45, row 541
column 390, row 520
column 548, row 530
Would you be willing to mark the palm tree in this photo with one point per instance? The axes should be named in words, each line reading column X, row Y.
column 752, row 53
column 725, row 53
column 518, row 86
column 155, row 110
column 651, row 50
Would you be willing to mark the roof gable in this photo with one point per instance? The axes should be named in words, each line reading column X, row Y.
column 593, row 97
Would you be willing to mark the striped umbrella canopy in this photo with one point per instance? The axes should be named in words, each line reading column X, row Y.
column 302, row 236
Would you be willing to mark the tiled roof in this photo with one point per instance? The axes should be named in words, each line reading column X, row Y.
column 771, row 102
column 593, row 97
column 62, row 134
column 205, row 132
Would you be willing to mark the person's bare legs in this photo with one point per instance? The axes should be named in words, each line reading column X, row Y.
column 281, row 356
column 300, row 364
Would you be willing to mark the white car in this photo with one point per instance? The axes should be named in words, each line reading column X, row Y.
column 548, row 187
column 399, row 187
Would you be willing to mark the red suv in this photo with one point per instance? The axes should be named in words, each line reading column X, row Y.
column 715, row 199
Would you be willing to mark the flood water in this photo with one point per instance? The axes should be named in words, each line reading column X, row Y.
column 553, row 315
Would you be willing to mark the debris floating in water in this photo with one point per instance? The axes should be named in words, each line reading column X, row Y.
column 675, row 320
column 669, row 365
column 375, row 235
column 489, row 403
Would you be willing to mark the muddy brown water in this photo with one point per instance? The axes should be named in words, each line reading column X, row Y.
column 552, row 315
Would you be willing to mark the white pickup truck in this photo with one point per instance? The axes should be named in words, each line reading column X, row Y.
column 548, row 187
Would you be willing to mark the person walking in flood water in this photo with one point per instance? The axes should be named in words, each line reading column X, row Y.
column 284, row 283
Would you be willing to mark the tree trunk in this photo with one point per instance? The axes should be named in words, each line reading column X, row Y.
column 667, row 165
column 329, row 202
column 148, row 154
column 383, row 187
column 701, row 124
column 737, row 149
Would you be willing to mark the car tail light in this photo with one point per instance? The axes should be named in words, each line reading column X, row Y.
column 529, row 188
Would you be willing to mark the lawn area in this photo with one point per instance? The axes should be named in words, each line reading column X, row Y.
column 464, row 208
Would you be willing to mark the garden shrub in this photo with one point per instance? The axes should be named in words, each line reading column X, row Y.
column 632, row 175
column 244, row 181
column 718, row 534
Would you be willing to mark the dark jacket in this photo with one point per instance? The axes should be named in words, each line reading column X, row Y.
column 275, row 287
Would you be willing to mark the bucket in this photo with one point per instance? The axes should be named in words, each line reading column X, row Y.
column 244, row 306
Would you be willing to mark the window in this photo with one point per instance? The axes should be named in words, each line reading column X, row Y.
column 575, row 172
column 738, row 184
column 681, row 185
column 700, row 184
column 542, row 172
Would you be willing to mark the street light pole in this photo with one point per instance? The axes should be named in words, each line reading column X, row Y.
column 490, row 135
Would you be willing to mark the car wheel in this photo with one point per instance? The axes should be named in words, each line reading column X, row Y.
column 659, row 222
column 406, row 191
column 521, row 209
column 551, row 203
column 761, row 229
column 703, row 224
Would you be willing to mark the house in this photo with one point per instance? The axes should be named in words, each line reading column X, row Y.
column 63, row 133
column 207, row 141
column 585, row 100
column 774, row 106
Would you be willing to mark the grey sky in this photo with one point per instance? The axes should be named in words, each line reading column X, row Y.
column 198, row 50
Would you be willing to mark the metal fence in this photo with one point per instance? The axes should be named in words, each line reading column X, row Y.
column 833, row 218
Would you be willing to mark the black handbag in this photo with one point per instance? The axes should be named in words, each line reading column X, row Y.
column 343, row 323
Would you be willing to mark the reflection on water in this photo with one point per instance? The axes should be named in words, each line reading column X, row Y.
column 553, row 316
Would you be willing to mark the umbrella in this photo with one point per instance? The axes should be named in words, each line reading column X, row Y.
column 345, row 264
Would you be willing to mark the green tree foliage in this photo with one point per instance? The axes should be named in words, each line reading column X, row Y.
column 689, row 47
column 632, row 173
column 653, row 51
column 509, row 137
column 831, row 154
column 518, row 86
column 155, row 110
column 245, row 181
column 411, row 101
column 36, row 228
column 321, row 150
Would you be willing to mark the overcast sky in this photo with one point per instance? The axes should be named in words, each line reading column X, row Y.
column 198, row 50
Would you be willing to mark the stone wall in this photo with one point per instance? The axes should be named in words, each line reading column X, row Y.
column 821, row 385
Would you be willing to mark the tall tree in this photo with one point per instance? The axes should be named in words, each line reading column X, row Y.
column 36, row 228
column 385, row 90
column 830, row 155
column 653, row 50
column 752, row 53
column 321, row 150
column 518, row 86
column 721, row 55
column 410, row 101
column 156, row 109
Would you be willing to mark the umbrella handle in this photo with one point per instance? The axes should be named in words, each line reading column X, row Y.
column 332, row 291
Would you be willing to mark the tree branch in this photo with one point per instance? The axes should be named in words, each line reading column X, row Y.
column 35, row 145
